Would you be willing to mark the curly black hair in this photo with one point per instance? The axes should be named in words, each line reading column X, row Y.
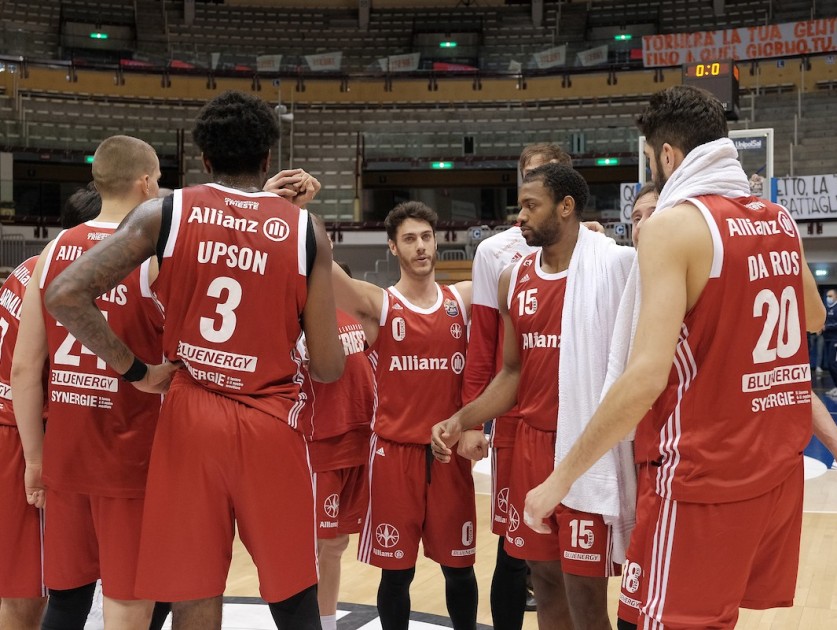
column 684, row 117
column 561, row 181
column 235, row 132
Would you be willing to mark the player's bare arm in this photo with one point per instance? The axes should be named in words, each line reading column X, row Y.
column 319, row 317
column 362, row 300
column 814, row 308
column 824, row 427
column 674, row 263
column 31, row 354
column 498, row 397
column 70, row 298
column 473, row 444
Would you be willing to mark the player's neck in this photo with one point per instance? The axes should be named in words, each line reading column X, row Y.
column 114, row 211
column 555, row 257
column 245, row 182
column 419, row 290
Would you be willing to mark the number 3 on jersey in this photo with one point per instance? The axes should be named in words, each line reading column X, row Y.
column 221, row 327
column 782, row 314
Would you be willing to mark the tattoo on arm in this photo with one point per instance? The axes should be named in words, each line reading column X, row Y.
column 70, row 297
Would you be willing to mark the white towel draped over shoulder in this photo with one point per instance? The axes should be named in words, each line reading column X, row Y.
column 709, row 169
column 596, row 280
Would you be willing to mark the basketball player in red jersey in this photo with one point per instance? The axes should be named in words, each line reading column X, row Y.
column 91, row 465
column 726, row 298
column 242, row 274
column 570, row 567
column 482, row 362
column 633, row 583
column 21, row 574
column 417, row 335
column 338, row 445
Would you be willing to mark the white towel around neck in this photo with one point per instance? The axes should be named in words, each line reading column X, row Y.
column 595, row 282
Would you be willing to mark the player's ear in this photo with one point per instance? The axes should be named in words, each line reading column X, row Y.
column 568, row 204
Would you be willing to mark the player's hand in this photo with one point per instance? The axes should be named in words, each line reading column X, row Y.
column 158, row 378
column 443, row 435
column 307, row 189
column 295, row 185
column 541, row 502
column 473, row 445
column 34, row 486
column 595, row 226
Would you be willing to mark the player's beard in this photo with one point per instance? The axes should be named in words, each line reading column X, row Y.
column 548, row 233
column 409, row 267
column 659, row 176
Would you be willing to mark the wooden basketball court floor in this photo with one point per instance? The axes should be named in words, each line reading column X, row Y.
column 815, row 603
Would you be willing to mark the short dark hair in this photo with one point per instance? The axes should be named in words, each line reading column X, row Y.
column 235, row 132
column 409, row 210
column 683, row 116
column 561, row 181
column 83, row 205
column 549, row 152
column 646, row 189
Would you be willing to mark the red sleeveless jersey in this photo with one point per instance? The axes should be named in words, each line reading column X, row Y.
column 736, row 413
column 339, row 414
column 233, row 283
column 536, row 301
column 100, row 429
column 418, row 360
column 11, row 298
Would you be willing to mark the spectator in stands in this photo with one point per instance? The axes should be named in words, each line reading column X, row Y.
column 829, row 335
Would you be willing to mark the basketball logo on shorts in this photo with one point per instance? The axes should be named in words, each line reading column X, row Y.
column 276, row 229
column 457, row 362
column 456, row 331
column 331, row 506
column 451, row 308
column 786, row 224
column 514, row 519
column 399, row 329
column 386, row 535
column 503, row 500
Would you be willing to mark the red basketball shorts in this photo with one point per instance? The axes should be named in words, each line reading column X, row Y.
column 21, row 549
column 501, row 465
column 341, row 498
column 634, row 581
column 581, row 541
column 215, row 464
column 415, row 498
column 705, row 561
column 88, row 537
